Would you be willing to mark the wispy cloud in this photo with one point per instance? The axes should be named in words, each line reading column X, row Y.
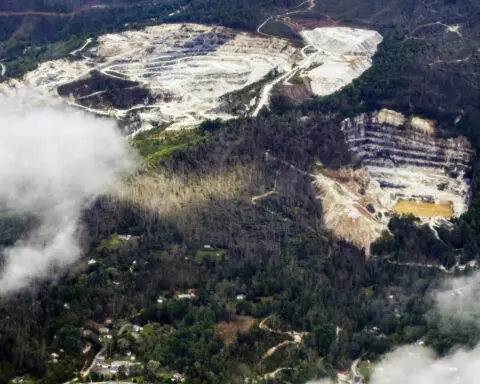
column 416, row 364
column 458, row 300
column 53, row 162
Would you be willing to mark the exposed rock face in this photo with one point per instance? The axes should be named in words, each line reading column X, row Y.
column 405, row 169
column 179, row 75
column 344, row 41
column 344, row 54
column 408, row 162
column 193, row 64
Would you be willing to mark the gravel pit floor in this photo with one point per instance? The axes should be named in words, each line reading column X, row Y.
column 424, row 209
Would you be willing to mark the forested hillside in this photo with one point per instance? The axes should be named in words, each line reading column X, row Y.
column 218, row 238
column 273, row 250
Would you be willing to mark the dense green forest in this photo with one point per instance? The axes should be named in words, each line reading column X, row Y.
column 273, row 251
column 277, row 255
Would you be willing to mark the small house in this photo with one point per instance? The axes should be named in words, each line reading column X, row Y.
column 178, row 378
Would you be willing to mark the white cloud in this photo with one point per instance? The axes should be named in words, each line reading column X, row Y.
column 419, row 365
column 53, row 163
column 415, row 364
column 460, row 298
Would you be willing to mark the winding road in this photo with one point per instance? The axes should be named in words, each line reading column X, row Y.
column 304, row 64
column 449, row 28
column 434, row 266
column 263, row 195
column 272, row 375
column 123, row 328
column 267, row 90
column 259, row 29
column 297, row 337
column 86, row 372
column 356, row 372
column 76, row 51
column 352, row 377
column 311, row 5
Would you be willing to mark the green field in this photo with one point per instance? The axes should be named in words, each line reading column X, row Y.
column 210, row 255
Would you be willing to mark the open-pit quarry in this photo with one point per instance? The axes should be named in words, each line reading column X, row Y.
column 178, row 75
column 403, row 169
column 340, row 56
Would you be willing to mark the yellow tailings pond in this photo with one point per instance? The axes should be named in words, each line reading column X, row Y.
column 424, row 209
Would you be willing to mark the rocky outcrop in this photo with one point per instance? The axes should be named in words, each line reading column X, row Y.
column 408, row 161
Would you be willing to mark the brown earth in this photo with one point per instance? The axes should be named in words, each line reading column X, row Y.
column 296, row 93
column 424, row 209
column 239, row 324
column 299, row 24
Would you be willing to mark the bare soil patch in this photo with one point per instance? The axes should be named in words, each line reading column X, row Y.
column 239, row 324
column 424, row 209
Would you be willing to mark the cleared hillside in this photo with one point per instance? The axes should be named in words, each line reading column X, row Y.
column 404, row 169
column 178, row 75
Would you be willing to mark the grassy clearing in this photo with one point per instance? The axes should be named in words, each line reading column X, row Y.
column 111, row 244
column 210, row 255
column 158, row 145
column 180, row 196
column 424, row 209
column 239, row 324
column 369, row 292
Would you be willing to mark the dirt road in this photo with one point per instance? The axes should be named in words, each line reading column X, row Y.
column 461, row 267
column 296, row 337
column 304, row 64
column 86, row 372
column 356, row 372
column 87, row 42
